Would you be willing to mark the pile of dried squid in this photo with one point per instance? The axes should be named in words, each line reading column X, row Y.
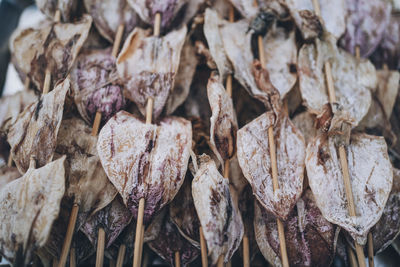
column 203, row 133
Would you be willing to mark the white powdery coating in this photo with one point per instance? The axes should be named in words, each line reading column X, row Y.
column 145, row 160
column 88, row 184
column 220, row 220
column 353, row 80
column 30, row 204
column 52, row 46
column 154, row 77
column 332, row 13
column 223, row 122
column 237, row 44
column 254, row 159
column 371, row 178
column 280, row 54
column 35, row 130
column 212, row 24
column 109, row 14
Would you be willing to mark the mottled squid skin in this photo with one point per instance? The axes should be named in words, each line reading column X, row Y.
column 145, row 160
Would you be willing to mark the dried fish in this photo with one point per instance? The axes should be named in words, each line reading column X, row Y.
column 332, row 14
column 169, row 240
column 155, row 76
column 353, row 80
column 95, row 84
column 67, row 8
column 52, row 46
column 219, row 218
column 87, row 183
column 253, row 155
column 145, row 160
column 109, row 14
column 366, row 23
column 371, row 178
column 212, row 24
column 184, row 77
column 30, row 204
column 310, row 238
column 183, row 213
column 34, row 133
column 113, row 219
column 223, row 120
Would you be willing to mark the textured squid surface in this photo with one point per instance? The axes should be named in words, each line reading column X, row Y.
column 30, row 204
column 34, row 133
column 371, row 178
column 220, row 220
column 51, row 46
column 310, row 238
column 145, row 160
column 154, row 77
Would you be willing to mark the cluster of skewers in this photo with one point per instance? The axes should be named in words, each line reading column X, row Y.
column 207, row 130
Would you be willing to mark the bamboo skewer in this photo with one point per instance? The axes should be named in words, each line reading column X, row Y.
column 121, row 255
column 68, row 236
column 342, row 151
column 370, row 241
column 139, row 224
column 203, row 247
column 114, row 53
column 100, row 247
column 177, row 259
column 72, row 258
column 371, row 262
column 351, row 256
column 274, row 167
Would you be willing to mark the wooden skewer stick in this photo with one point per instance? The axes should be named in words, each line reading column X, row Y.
column 342, row 151
column 177, row 259
column 203, row 247
column 274, row 167
column 139, row 223
column 68, row 236
column 371, row 262
column 114, row 53
column 101, row 240
column 351, row 256
column 370, row 241
column 121, row 255
column 72, row 258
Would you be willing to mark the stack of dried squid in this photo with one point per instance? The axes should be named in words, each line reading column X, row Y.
column 209, row 133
